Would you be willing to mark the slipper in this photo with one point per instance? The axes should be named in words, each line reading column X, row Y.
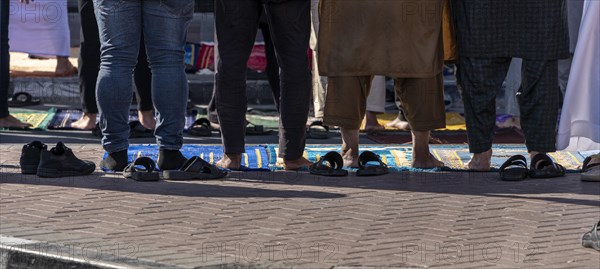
column 201, row 127
column 591, row 239
column 137, row 130
column 316, row 130
column 590, row 172
column 252, row 129
column 514, row 169
column 195, row 168
column 22, row 99
column 542, row 166
column 329, row 165
column 367, row 166
column 142, row 169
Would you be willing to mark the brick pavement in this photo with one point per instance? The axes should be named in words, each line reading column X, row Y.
column 449, row 220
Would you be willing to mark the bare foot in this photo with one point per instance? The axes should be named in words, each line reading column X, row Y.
column 399, row 124
column 350, row 157
column 480, row 161
column 427, row 163
column 12, row 122
column 297, row 164
column 147, row 119
column 371, row 123
column 64, row 68
column 86, row 122
column 230, row 161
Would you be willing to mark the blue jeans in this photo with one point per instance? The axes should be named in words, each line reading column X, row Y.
column 164, row 24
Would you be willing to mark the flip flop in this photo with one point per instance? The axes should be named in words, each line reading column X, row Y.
column 137, row 130
column 253, row 129
column 542, row 166
column 22, row 99
column 329, row 165
column 195, row 168
column 201, row 127
column 316, row 130
column 590, row 172
column 366, row 166
column 591, row 239
column 142, row 169
column 514, row 169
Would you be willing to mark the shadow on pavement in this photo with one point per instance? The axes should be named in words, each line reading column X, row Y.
column 116, row 182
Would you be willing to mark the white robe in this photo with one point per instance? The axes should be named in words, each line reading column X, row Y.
column 40, row 28
column 579, row 128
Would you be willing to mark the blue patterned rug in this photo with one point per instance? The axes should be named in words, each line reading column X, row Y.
column 264, row 157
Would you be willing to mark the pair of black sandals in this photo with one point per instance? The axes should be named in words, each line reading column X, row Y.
column 542, row 166
column 332, row 165
column 195, row 168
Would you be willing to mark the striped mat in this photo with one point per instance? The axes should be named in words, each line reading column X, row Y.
column 256, row 158
column 64, row 117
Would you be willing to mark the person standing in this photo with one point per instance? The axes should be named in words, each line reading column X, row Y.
column 359, row 39
column 6, row 120
column 579, row 127
column 489, row 34
column 89, row 65
column 237, row 24
column 164, row 25
column 41, row 28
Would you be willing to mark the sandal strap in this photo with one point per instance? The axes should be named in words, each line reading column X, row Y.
column 516, row 160
column 146, row 162
column 540, row 158
column 334, row 159
column 369, row 156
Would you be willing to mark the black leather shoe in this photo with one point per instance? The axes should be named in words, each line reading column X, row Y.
column 61, row 162
column 30, row 157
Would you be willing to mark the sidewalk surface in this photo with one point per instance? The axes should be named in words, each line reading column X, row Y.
column 450, row 219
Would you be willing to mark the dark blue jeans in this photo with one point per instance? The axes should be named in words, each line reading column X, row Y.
column 164, row 24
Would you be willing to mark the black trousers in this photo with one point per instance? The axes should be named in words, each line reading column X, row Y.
column 237, row 24
column 4, row 59
column 538, row 97
column 89, row 64
column 272, row 71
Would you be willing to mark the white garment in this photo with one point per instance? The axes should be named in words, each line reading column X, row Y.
column 40, row 28
column 512, row 83
column 376, row 99
column 579, row 127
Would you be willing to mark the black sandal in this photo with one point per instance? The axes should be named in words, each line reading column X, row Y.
column 252, row 129
column 137, row 173
column 201, row 127
column 366, row 167
column 195, row 168
column 514, row 169
column 317, row 130
column 542, row 166
column 329, row 165
column 22, row 99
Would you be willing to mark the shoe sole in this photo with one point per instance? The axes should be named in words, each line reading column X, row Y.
column 53, row 173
